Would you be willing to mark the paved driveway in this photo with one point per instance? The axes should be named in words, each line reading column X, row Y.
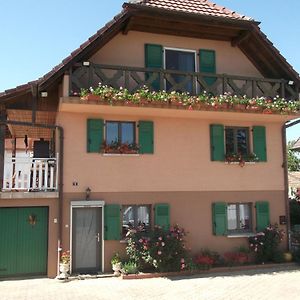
column 267, row 285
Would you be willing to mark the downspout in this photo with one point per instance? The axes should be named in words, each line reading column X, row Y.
column 286, row 186
column 60, row 164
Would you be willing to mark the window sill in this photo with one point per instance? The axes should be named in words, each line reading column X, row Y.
column 120, row 154
column 241, row 235
column 238, row 163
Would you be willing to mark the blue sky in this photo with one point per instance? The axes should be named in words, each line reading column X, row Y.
column 37, row 35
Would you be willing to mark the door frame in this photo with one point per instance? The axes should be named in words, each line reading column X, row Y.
column 87, row 204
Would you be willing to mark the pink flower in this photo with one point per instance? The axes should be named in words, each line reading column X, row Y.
column 182, row 260
column 159, row 252
column 140, row 240
column 182, row 266
column 160, row 238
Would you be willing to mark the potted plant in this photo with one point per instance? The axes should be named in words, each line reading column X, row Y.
column 64, row 265
column 116, row 264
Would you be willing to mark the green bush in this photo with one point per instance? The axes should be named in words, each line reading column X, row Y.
column 129, row 267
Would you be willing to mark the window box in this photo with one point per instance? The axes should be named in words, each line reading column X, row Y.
column 115, row 148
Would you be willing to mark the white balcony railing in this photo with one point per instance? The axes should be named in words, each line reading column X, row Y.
column 30, row 174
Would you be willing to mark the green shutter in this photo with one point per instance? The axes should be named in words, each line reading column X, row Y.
column 162, row 215
column 154, row 59
column 146, row 137
column 95, row 128
column 217, row 142
column 112, row 222
column 262, row 215
column 259, row 142
column 219, row 218
column 207, row 60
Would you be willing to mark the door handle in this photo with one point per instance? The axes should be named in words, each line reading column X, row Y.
column 98, row 237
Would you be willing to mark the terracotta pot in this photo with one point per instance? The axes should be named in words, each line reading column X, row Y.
column 267, row 111
column 92, row 97
column 239, row 106
column 288, row 257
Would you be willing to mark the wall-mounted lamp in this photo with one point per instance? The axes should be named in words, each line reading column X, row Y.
column 87, row 193
column 291, row 82
column 44, row 94
column 86, row 63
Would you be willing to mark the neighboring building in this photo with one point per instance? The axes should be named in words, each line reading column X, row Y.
column 79, row 197
column 296, row 147
column 294, row 184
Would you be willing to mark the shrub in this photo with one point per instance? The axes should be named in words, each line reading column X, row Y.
column 161, row 249
column 129, row 267
column 265, row 244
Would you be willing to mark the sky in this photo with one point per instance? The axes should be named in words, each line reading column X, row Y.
column 38, row 35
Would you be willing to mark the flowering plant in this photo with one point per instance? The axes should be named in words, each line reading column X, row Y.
column 241, row 159
column 265, row 244
column 205, row 100
column 206, row 258
column 161, row 249
column 65, row 257
column 116, row 147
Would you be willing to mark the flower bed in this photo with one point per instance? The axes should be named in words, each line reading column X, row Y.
column 205, row 101
column 162, row 252
column 214, row 270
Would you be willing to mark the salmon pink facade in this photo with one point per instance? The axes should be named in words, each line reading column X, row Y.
column 163, row 117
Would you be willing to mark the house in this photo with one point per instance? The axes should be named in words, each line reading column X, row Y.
column 296, row 146
column 294, row 184
column 94, row 170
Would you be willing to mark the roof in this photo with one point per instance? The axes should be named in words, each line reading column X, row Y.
column 296, row 145
column 202, row 7
column 294, row 179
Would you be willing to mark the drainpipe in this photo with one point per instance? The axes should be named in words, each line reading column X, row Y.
column 286, row 186
column 60, row 164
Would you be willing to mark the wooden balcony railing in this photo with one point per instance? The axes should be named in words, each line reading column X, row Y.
column 30, row 174
column 133, row 78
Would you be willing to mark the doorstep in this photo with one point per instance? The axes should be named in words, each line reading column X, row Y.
column 278, row 267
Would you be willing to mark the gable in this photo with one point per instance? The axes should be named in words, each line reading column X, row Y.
column 230, row 60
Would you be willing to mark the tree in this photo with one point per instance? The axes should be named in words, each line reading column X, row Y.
column 293, row 158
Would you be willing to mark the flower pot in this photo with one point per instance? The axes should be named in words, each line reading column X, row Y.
column 288, row 257
column 267, row 111
column 64, row 269
column 117, row 268
column 239, row 107
column 92, row 97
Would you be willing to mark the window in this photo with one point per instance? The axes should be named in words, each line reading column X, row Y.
column 120, row 137
column 180, row 60
column 239, row 217
column 233, row 143
column 237, row 141
column 120, row 132
column 135, row 216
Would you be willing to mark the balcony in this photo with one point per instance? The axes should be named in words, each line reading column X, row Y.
column 29, row 174
column 132, row 78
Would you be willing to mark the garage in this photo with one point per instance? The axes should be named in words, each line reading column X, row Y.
column 23, row 241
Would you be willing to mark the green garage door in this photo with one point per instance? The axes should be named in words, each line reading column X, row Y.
column 23, row 241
